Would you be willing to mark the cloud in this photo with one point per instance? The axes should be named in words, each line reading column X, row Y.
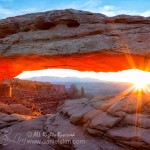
column 108, row 10
column 6, row 0
column 113, row 11
column 146, row 13
column 90, row 5
column 4, row 13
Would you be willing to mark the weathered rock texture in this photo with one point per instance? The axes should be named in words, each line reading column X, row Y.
column 106, row 122
column 75, row 40
column 122, row 119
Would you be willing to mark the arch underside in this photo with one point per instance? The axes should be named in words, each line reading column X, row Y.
column 12, row 66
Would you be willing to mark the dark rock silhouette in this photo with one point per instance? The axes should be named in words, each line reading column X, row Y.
column 73, row 91
column 82, row 93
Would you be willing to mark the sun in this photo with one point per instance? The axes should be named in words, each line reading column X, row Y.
column 141, row 85
column 140, row 79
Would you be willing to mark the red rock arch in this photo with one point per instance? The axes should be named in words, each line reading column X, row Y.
column 75, row 40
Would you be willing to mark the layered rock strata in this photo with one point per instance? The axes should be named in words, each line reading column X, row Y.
column 73, row 39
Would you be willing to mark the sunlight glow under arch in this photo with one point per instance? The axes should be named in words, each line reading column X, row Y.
column 135, row 76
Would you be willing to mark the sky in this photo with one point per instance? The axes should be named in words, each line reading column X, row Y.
column 9, row 8
column 133, row 76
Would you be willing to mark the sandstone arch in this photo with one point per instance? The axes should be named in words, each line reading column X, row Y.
column 75, row 40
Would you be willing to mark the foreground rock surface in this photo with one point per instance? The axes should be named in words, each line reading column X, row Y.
column 15, row 108
column 104, row 122
column 68, row 38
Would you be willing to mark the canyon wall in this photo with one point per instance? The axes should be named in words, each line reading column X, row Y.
column 24, row 89
column 36, row 95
